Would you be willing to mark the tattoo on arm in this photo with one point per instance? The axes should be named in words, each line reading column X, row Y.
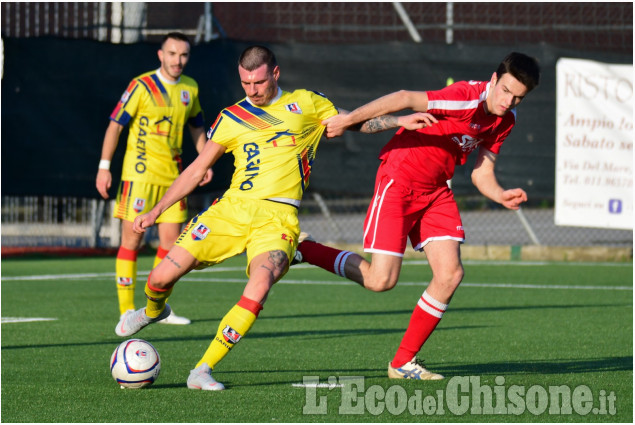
column 375, row 125
column 167, row 257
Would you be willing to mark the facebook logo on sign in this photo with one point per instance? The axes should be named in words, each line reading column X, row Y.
column 615, row 206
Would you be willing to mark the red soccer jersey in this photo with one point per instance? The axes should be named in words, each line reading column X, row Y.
column 425, row 159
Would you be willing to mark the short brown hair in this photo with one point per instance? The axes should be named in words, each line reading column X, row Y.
column 255, row 56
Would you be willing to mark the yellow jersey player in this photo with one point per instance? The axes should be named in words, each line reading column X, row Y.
column 156, row 106
column 273, row 135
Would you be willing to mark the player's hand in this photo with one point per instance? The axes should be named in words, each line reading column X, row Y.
column 416, row 121
column 207, row 178
column 104, row 181
column 336, row 125
column 512, row 198
column 142, row 222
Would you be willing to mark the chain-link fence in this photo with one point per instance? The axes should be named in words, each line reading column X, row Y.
column 594, row 25
column 51, row 221
column 598, row 26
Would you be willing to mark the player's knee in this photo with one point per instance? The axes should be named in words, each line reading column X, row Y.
column 451, row 278
column 159, row 281
column 380, row 283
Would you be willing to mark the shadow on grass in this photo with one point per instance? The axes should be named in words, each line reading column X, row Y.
column 561, row 366
column 451, row 310
column 307, row 334
column 541, row 367
column 312, row 333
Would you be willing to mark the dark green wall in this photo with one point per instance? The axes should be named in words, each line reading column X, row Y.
column 57, row 96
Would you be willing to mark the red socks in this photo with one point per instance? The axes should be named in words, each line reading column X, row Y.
column 325, row 257
column 425, row 317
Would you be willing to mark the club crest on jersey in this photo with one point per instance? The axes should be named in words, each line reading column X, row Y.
column 125, row 96
column 185, row 97
column 200, row 232
column 231, row 335
column 124, row 281
column 139, row 205
column 293, row 107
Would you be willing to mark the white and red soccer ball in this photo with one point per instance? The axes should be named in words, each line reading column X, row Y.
column 135, row 363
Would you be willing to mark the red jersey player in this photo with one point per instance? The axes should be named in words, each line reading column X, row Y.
column 412, row 198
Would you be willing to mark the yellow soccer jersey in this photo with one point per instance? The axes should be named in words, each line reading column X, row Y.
column 157, row 111
column 274, row 145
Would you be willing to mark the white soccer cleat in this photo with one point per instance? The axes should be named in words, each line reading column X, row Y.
column 297, row 257
column 133, row 321
column 124, row 313
column 201, row 379
column 414, row 369
column 173, row 319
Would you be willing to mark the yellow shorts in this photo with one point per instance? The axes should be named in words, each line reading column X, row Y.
column 136, row 198
column 231, row 226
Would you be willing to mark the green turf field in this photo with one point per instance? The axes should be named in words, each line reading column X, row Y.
column 535, row 342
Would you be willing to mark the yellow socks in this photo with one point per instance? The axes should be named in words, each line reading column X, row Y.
column 161, row 253
column 232, row 328
column 126, row 275
column 156, row 299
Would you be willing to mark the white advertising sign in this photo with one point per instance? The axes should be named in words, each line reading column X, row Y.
column 594, row 144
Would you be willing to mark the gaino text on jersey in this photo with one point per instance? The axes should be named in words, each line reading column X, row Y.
column 162, row 128
column 252, row 169
column 140, row 165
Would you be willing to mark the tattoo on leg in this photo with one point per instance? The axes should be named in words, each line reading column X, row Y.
column 167, row 257
column 277, row 262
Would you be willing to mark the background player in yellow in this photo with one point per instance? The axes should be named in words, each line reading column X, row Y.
column 273, row 135
column 156, row 106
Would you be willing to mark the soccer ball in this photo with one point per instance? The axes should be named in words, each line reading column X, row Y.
column 135, row 364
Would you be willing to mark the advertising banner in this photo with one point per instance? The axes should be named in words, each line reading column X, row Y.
column 594, row 144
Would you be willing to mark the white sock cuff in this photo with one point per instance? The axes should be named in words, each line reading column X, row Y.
column 340, row 262
column 437, row 304
column 431, row 306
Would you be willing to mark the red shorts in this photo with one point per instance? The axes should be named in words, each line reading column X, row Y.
column 398, row 213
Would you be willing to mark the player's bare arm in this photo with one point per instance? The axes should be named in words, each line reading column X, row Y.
column 182, row 186
column 409, row 122
column 393, row 102
column 375, row 125
column 199, row 137
column 386, row 122
column 111, row 139
column 484, row 178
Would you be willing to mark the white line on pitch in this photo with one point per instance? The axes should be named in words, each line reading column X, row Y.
column 191, row 278
column 474, row 285
column 317, row 385
column 26, row 319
